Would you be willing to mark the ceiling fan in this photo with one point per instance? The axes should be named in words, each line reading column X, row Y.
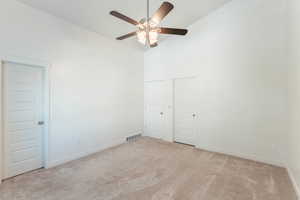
column 148, row 29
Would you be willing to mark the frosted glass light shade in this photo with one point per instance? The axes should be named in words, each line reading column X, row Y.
column 142, row 37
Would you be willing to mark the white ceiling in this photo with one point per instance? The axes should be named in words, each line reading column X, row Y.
column 94, row 14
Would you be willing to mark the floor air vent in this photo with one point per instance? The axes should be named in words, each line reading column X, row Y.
column 133, row 138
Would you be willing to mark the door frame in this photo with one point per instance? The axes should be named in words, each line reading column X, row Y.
column 46, row 107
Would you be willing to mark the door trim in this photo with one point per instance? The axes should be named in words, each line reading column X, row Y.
column 46, row 100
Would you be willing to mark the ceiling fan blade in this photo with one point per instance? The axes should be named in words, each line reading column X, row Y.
column 173, row 31
column 153, row 45
column 126, row 36
column 123, row 17
column 162, row 12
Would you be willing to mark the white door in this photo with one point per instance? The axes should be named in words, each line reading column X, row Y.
column 158, row 109
column 23, row 126
column 186, row 115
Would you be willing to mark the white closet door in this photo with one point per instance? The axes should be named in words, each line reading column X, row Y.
column 185, row 103
column 158, row 109
column 23, row 130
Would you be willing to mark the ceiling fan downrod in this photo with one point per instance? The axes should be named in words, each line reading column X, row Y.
column 148, row 24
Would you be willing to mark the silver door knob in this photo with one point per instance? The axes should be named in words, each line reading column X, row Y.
column 161, row 113
column 41, row 123
column 194, row 115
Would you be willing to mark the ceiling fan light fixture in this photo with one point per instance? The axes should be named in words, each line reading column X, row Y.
column 153, row 37
column 142, row 36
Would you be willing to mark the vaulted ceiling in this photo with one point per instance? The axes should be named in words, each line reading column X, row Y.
column 94, row 14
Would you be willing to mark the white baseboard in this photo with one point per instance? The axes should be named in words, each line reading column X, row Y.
column 277, row 163
column 85, row 153
column 296, row 186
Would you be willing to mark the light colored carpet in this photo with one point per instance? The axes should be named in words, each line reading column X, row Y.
column 150, row 169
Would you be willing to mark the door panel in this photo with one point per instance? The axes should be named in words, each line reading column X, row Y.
column 158, row 109
column 185, row 102
column 15, row 116
column 23, row 137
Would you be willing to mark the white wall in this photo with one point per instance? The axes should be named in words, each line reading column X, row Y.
column 238, row 54
column 293, row 145
column 96, row 83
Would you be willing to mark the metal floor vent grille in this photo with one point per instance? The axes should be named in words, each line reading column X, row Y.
column 133, row 138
